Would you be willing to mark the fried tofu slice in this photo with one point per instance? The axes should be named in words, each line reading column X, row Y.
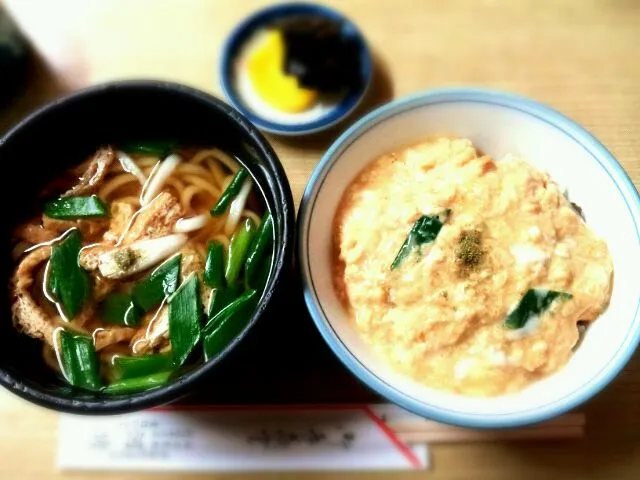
column 94, row 174
column 121, row 215
column 27, row 315
column 157, row 219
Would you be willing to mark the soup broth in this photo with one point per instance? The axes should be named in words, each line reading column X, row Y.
column 143, row 261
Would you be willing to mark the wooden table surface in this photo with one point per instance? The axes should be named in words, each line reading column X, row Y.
column 581, row 57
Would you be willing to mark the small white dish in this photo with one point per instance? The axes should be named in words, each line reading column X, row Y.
column 498, row 124
column 328, row 112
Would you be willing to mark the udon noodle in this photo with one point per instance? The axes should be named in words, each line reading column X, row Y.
column 191, row 215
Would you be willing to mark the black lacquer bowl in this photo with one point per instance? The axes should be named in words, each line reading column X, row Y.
column 62, row 134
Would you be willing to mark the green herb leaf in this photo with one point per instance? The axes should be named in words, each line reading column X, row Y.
column 185, row 313
column 535, row 302
column 424, row 230
column 161, row 283
column 238, row 249
column 137, row 384
column 230, row 192
column 120, row 309
column 79, row 361
column 139, row 366
column 68, row 282
column 228, row 323
column 239, row 304
column 214, row 266
column 159, row 148
column 71, row 208
column 258, row 248
column 263, row 274
column 221, row 297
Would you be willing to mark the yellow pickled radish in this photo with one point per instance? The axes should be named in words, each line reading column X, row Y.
column 265, row 71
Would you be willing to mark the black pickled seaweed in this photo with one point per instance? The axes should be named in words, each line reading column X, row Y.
column 320, row 53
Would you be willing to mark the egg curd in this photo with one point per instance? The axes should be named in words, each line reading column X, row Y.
column 466, row 274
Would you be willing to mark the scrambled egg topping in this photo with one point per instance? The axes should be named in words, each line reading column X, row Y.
column 439, row 314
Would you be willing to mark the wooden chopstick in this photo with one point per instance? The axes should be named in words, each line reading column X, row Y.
column 493, row 435
column 418, row 431
column 421, row 425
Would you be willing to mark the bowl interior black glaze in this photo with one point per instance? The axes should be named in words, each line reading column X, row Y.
column 61, row 135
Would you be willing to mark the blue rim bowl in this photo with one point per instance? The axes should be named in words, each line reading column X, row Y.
column 262, row 18
column 74, row 125
column 549, row 407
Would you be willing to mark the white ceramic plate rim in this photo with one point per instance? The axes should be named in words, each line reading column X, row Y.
column 488, row 97
column 334, row 115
